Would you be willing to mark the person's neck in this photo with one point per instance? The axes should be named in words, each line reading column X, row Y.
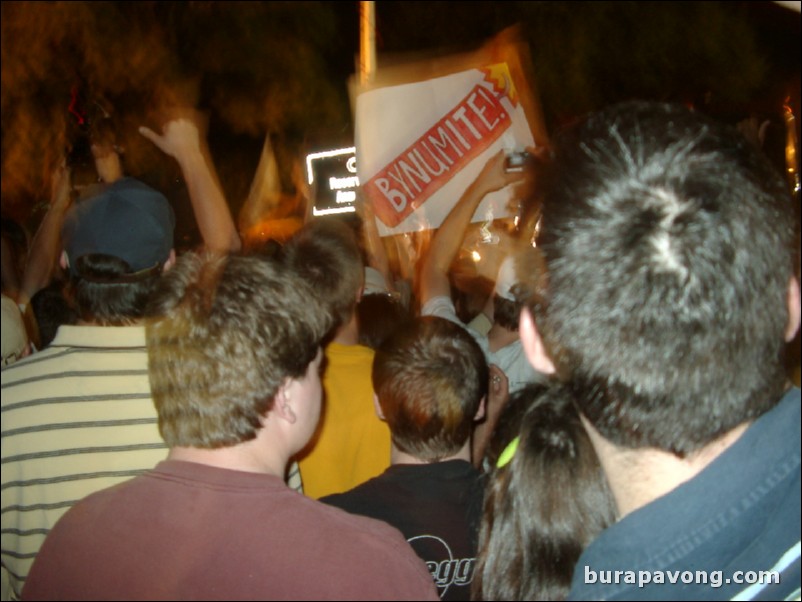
column 401, row 457
column 244, row 457
column 348, row 333
column 638, row 477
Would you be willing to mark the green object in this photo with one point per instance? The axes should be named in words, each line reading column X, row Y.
column 508, row 453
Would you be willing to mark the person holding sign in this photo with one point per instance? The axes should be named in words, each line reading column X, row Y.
column 501, row 345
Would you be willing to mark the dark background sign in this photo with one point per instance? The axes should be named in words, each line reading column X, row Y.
column 333, row 181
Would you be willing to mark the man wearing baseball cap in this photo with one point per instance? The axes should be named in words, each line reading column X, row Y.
column 78, row 416
column 510, row 370
column 116, row 246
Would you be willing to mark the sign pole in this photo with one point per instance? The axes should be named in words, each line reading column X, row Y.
column 367, row 37
column 367, row 73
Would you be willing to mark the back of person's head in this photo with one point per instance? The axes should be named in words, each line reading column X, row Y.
column 507, row 300
column 430, row 378
column 224, row 334
column 325, row 251
column 543, row 505
column 355, row 223
column 470, row 289
column 668, row 243
column 117, row 244
column 270, row 247
column 506, row 313
column 509, row 420
column 379, row 315
column 51, row 310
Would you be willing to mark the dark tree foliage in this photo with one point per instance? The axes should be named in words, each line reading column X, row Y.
column 255, row 67
column 282, row 67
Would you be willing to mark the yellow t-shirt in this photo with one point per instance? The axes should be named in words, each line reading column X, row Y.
column 351, row 444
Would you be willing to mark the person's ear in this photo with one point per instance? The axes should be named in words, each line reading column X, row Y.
column 377, row 407
column 170, row 261
column 282, row 404
column 533, row 344
column 64, row 261
column 792, row 295
column 480, row 411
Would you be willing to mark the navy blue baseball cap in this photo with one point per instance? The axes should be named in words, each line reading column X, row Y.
column 128, row 220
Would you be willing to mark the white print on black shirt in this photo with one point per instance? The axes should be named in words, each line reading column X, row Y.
column 446, row 570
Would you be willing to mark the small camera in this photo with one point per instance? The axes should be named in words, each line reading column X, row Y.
column 515, row 161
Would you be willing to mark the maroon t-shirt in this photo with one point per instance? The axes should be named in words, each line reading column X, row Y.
column 191, row 531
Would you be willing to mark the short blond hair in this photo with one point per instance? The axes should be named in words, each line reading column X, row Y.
column 224, row 333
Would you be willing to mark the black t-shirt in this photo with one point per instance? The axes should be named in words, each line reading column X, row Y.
column 437, row 507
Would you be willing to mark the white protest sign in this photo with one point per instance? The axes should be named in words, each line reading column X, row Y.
column 419, row 145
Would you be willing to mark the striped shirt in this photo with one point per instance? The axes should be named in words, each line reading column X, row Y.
column 77, row 417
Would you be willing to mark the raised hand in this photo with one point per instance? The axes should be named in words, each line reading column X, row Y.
column 494, row 177
column 60, row 184
column 180, row 137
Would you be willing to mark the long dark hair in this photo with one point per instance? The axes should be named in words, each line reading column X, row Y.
column 542, row 507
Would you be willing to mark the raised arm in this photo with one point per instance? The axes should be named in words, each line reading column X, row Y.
column 377, row 254
column 181, row 140
column 497, row 396
column 46, row 243
column 446, row 243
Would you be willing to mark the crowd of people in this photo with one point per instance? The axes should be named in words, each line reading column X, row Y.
column 281, row 422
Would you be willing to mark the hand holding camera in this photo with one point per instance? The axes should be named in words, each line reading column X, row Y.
column 516, row 161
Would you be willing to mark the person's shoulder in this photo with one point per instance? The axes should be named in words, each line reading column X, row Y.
column 83, row 516
column 370, row 536
column 346, row 499
column 787, row 415
column 441, row 306
column 32, row 368
column 86, row 341
column 792, row 396
column 780, row 425
column 336, row 350
column 330, row 513
column 393, row 569
column 361, row 497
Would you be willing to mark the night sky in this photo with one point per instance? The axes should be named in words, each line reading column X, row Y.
column 282, row 68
